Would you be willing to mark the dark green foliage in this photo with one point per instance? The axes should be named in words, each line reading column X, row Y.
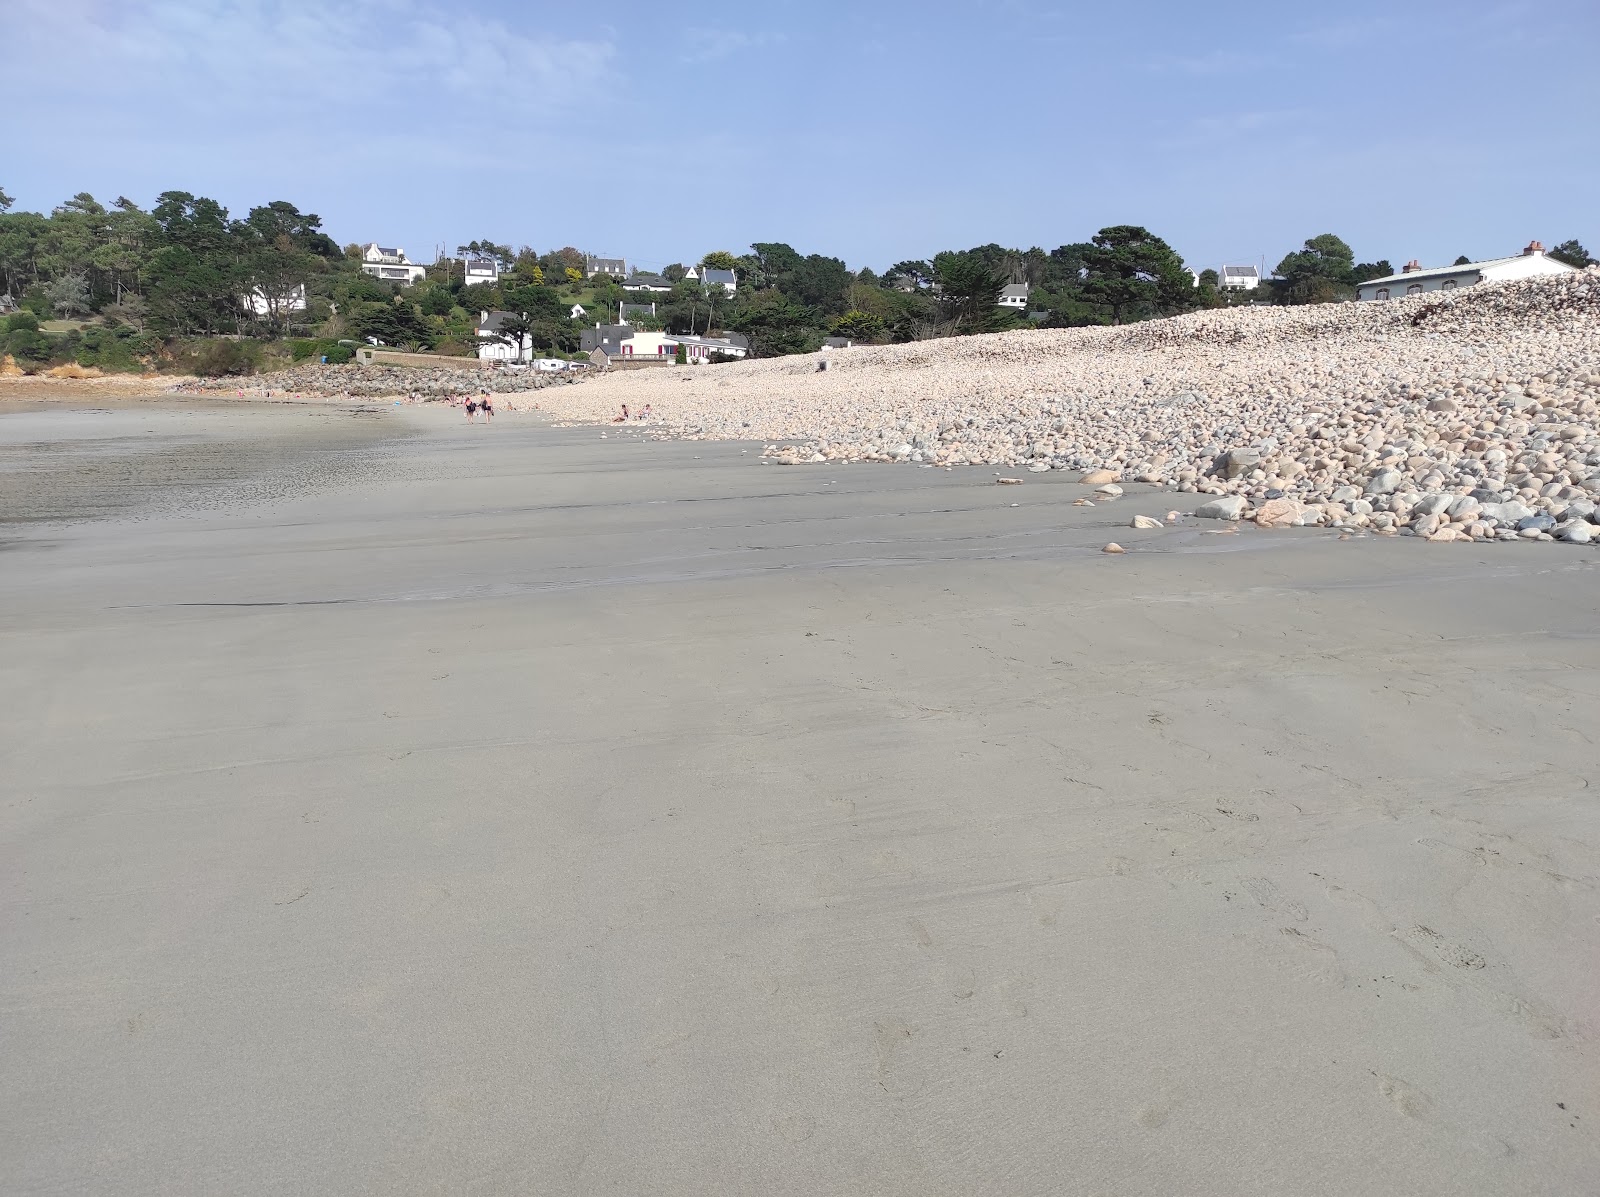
column 396, row 323
column 969, row 286
column 336, row 353
column 1135, row 273
column 437, row 301
column 23, row 320
column 1371, row 270
column 858, row 325
column 1573, row 254
column 680, row 356
column 28, row 345
column 1462, row 260
column 1323, row 271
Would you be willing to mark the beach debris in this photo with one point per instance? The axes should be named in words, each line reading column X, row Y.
column 1008, row 481
column 1113, row 547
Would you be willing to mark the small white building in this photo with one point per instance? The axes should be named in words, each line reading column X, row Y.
column 262, row 302
column 482, row 271
column 578, row 312
column 1014, row 296
column 1414, row 280
column 714, row 276
column 391, row 265
column 1237, row 278
column 495, row 345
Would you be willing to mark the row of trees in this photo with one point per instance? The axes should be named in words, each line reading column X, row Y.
column 187, row 268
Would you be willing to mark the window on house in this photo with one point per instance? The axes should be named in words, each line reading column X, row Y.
column 1448, row 285
column 1414, row 289
column 1383, row 293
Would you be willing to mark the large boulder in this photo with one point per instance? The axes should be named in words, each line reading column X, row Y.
column 1236, row 461
column 1225, row 507
column 1279, row 513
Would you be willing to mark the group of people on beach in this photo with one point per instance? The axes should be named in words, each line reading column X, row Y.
column 642, row 414
column 474, row 404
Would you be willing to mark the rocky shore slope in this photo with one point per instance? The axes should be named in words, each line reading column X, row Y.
column 1469, row 414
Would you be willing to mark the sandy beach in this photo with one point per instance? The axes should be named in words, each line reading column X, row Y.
column 392, row 805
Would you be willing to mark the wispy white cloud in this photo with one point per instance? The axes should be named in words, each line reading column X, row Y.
column 285, row 58
column 713, row 45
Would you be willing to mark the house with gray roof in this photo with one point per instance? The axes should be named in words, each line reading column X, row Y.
column 482, row 272
column 636, row 310
column 610, row 267
column 608, row 338
column 715, row 277
column 1415, row 279
column 653, row 283
column 497, row 345
column 1014, row 295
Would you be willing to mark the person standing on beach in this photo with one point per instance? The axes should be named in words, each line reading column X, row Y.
column 472, row 410
column 486, row 405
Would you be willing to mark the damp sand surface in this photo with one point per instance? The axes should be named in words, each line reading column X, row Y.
column 517, row 809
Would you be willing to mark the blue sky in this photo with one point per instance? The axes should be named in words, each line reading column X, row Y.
column 873, row 131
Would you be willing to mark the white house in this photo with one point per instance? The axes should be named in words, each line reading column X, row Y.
column 496, row 346
column 276, row 303
column 692, row 274
column 482, row 271
column 1414, row 280
column 702, row 349
column 610, row 267
column 713, row 276
column 1014, row 295
column 1238, row 278
column 390, row 265
column 578, row 312
column 647, row 282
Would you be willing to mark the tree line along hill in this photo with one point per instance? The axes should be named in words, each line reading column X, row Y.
column 180, row 287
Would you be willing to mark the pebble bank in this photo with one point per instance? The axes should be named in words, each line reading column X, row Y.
column 1467, row 415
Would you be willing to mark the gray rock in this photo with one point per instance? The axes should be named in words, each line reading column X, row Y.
column 1345, row 494
column 1432, row 504
column 1227, row 507
column 1237, row 461
column 1461, row 507
column 1442, row 404
column 1506, row 513
column 1540, row 522
column 1384, row 482
column 1578, row 532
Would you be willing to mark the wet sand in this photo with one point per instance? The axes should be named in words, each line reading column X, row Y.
column 510, row 810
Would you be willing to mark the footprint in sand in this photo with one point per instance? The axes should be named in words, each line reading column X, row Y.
column 1154, row 1114
column 1454, row 954
column 1268, row 897
column 1408, row 1099
column 1371, row 913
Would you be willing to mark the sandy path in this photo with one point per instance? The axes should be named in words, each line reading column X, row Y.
column 565, row 815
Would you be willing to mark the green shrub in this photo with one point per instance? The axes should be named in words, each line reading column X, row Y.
column 28, row 346
column 219, row 359
column 336, row 353
column 23, row 320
